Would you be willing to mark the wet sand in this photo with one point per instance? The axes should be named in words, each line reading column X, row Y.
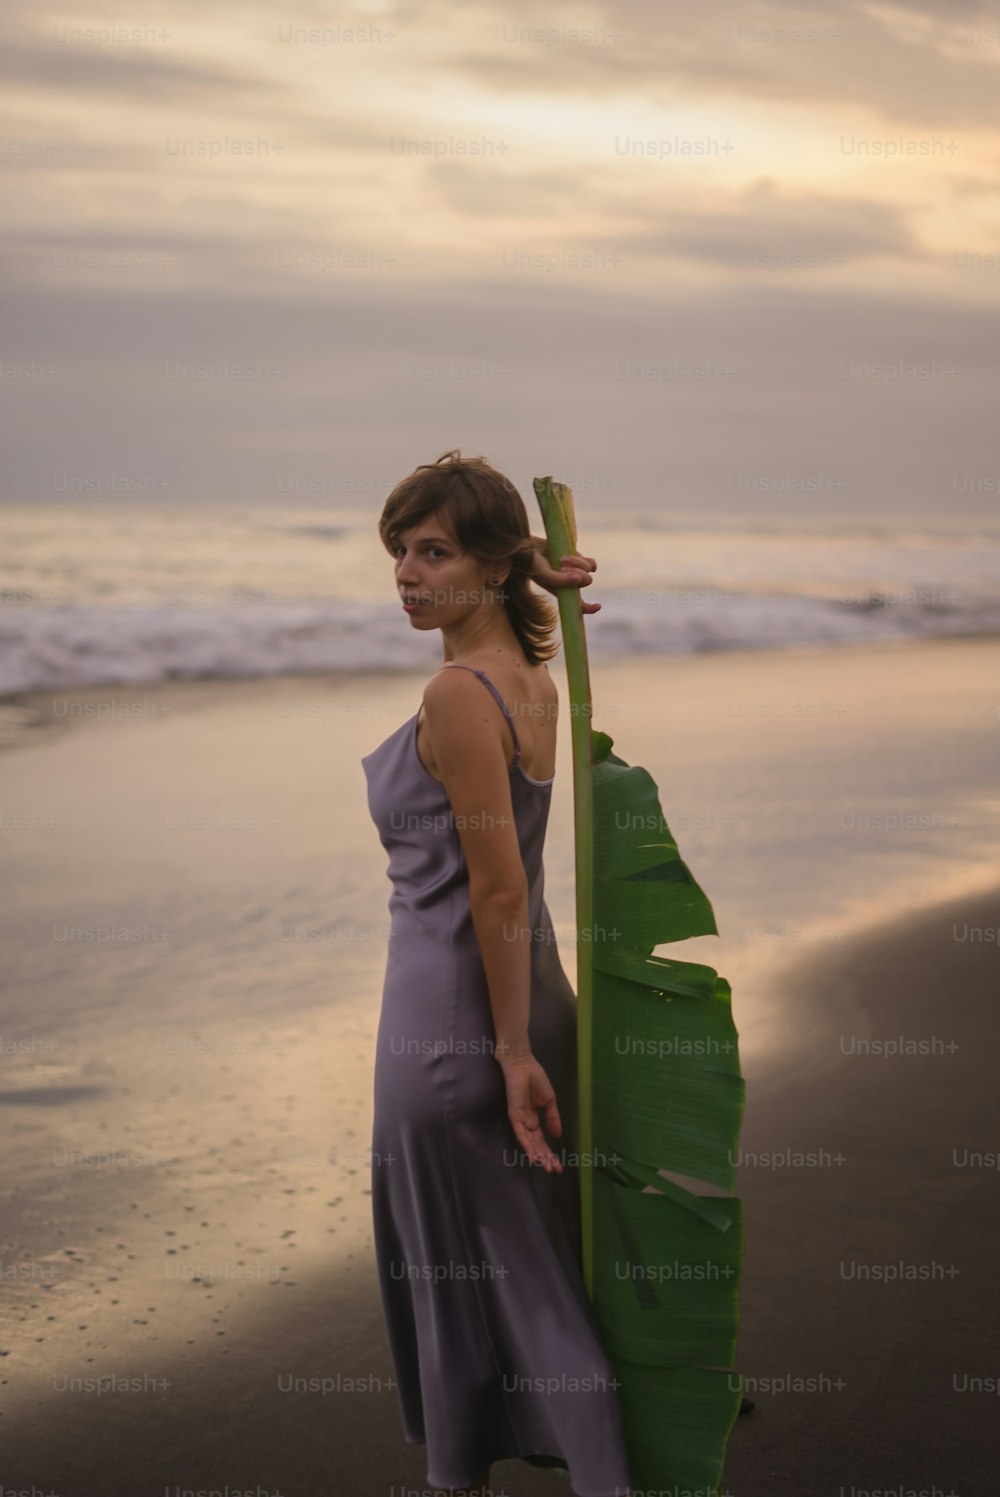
column 196, row 926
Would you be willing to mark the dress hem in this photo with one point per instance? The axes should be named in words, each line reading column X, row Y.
column 519, row 1455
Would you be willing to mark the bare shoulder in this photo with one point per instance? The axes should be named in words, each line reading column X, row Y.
column 528, row 679
column 450, row 700
column 463, row 725
column 447, row 687
column 541, row 686
column 453, row 690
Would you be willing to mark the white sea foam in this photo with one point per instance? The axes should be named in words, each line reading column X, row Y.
column 98, row 596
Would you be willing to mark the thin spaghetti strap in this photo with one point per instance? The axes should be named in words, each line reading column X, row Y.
column 503, row 705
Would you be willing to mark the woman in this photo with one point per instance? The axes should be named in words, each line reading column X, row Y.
column 493, row 1341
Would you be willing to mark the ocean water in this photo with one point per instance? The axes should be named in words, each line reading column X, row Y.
column 102, row 594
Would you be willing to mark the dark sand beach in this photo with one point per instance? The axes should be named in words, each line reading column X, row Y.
column 190, row 1296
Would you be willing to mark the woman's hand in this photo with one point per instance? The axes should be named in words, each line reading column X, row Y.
column 528, row 1088
column 574, row 571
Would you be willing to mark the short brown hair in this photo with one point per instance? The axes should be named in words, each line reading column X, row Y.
column 490, row 522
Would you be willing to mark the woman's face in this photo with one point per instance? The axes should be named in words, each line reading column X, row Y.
column 446, row 582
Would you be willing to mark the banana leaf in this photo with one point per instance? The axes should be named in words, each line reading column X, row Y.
column 660, row 1095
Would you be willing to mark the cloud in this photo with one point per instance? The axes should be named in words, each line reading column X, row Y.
column 661, row 369
column 649, row 396
column 930, row 63
column 770, row 228
column 762, row 218
column 130, row 75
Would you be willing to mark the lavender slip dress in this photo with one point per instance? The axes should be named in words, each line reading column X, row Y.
column 493, row 1341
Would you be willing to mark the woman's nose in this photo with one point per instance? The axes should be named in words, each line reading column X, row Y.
column 406, row 575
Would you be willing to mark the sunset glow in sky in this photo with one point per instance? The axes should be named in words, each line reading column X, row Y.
column 649, row 241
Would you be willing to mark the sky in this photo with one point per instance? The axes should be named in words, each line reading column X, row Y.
column 725, row 263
